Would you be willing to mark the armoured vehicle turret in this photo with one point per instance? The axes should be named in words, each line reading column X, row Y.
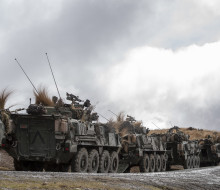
column 181, row 150
column 62, row 138
column 139, row 149
column 210, row 152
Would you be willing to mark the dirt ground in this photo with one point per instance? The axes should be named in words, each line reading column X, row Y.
column 202, row 178
column 6, row 162
column 196, row 179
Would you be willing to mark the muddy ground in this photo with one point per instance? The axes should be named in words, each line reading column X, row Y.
column 202, row 178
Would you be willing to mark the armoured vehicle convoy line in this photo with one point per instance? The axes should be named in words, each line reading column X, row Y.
column 66, row 137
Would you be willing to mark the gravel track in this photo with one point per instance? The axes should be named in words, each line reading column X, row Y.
column 203, row 178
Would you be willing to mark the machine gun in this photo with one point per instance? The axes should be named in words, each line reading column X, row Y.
column 73, row 98
column 130, row 119
column 17, row 110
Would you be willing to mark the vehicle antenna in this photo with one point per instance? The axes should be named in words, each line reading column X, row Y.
column 103, row 116
column 171, row 124
column 156, row 126
column 26, row 75
column 113, row 113
column 53, row 75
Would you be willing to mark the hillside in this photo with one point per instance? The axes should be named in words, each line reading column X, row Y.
column 194, row 133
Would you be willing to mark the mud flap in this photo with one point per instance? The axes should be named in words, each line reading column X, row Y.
column 122, row 167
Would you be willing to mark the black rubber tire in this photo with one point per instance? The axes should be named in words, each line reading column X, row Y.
column 93, row 163
column 187, row 163
column 144, row 164
column 80, row 161
column 157, row 163
column 163, row 163
column 191, row 162
column 114, row 162
column 198, row 161
column 104, row 162
column 152, row 163
column 194, row 161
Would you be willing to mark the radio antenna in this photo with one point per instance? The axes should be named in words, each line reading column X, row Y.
column 26, row 75
column 103, row 116
column 53, row 75
column 113, row 113
column 156, row 126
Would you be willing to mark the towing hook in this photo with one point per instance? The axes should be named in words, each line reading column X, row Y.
column 58, row 146
column 14, row 144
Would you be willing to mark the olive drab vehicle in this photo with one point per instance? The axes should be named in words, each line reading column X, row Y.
column 62, row 138
column 181, row 150
column 210, row 152
column 2, row 131
column 147, row 152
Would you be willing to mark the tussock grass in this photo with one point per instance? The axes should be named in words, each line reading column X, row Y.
column 43, row 97
column 4, row 96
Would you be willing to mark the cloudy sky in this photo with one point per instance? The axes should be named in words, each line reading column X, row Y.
column 156, row 60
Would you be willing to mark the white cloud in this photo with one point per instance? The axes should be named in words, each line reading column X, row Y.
column 149, row 82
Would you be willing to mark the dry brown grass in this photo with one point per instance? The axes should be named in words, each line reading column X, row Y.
column 194, row 134
column 43, row 97
column 4, row 95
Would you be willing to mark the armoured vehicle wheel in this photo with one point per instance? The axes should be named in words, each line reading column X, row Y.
column 152, row 163
column 104, row 163
column 191, row 161
column 80, row 161
column 187, row 163
column 194, row 165
column 145, row 164
column 198, row 161
column 114, row 162
column 93, row 164
column 157, row 163
column 195, row 162
column 163, row 163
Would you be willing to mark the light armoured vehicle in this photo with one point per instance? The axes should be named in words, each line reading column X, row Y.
column 181, row 150
column 61, row 138
column 139, row 149
column 210, row 152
